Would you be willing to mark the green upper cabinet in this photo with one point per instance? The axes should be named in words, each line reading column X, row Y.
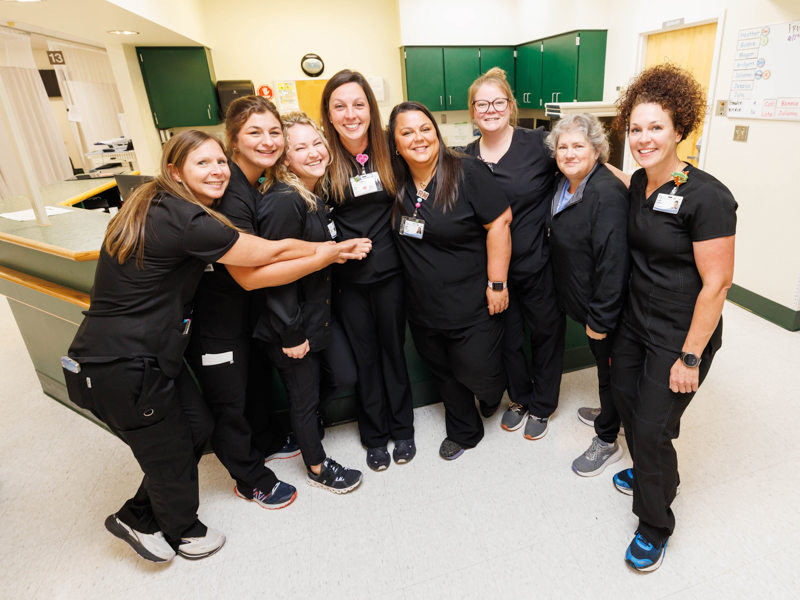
column 424, row 69
column 499, row 57
column 462, row 66
column 573, row 67
column 529, row 75
column 180, row 84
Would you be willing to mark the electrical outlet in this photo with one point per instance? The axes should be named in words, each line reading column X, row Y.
column 740, row 133
column 444, row 118
column 722, row 107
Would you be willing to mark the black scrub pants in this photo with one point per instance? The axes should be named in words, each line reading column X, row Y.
column 373, row 316
column 651, row 414
column 311, row 383
column 225, row 392
column 532, row 300
column 606, row 425
column 465, row 363
column 166, row 424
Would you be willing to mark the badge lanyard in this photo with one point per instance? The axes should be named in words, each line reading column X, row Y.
column 365, row 183
column 413, row 226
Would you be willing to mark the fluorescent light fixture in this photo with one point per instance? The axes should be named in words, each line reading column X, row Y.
column 117, row 31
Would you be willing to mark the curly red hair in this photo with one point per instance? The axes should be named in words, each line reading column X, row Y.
column 674, row 89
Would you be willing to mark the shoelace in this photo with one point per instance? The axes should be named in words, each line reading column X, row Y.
column 333, row 466
column 593, row 450
column 643, row 543
column 517, row 408
column 261, row 496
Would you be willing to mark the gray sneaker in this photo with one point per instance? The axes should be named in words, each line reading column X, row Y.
column 514, row 417
column 596, row 458
column 535, row 428
column 588, row 415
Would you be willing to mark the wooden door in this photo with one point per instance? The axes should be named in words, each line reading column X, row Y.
column 693, row 49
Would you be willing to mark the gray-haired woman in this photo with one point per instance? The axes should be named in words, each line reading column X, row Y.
column 589, row 250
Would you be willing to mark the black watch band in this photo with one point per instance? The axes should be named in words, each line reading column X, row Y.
column 690, row 360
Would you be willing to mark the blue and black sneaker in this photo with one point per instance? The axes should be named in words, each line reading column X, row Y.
column 623, row 481
column 282, row 494
column 289, row 450
column 644, row 556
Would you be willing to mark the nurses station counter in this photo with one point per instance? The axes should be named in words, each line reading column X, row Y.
column 47, row 274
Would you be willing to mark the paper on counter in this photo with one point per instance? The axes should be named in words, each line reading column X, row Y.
column 28, row 215
column 462, row 130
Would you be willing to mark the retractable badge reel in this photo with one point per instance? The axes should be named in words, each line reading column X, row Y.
column 365, row 183
column 413, row 226
column 670, row 203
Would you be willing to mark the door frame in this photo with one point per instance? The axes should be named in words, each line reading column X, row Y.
column 702, row 18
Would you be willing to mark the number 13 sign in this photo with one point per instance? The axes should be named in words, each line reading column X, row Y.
column 56, row 58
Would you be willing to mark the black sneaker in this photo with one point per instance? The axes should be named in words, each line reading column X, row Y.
column 289, row 450
column 450, row 450
column 404, row 451
column 282, row 494
column 334, row 477
column 487, row 410
column 378, row 458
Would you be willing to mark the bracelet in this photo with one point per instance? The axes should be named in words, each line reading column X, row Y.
column 493, row 285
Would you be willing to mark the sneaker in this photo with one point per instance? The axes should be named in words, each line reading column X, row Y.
column 487, row 411
column 535, row 428
column 588, row 415
column 334, row 477
column 404, row 451
column 150, row 546
column 282, row 494
column 514, row 417
column 195, row 548
column 596, row 458
column 289, row 450
column 623, row 481
column 450, row 450
column 378, row 458
column 644, row 556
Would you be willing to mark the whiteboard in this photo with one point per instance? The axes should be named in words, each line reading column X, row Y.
column 766, row 73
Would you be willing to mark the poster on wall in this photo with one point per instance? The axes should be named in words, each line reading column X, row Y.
column 765, row 84
column 286, row 92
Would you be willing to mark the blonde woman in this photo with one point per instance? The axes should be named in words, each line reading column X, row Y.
column 308, row 348
column 125, row 364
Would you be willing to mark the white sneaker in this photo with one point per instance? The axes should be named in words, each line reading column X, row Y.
column 150, row 546
column 195, row 548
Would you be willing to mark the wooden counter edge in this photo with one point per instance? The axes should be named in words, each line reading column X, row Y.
column 82, row 256
column 46, row 287
column 100, row 188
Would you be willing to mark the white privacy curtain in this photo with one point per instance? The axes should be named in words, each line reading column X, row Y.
column 31, row 109
column 87, row 82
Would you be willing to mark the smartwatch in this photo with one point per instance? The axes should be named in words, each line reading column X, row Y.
column 498, row 286
column 690, row 360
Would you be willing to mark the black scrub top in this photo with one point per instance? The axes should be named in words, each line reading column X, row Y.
column 301, row 310
column 665, row 282
column 222, row 308
column 526, row 173
column 147, row 312
column 445, row 271
column 367, row 216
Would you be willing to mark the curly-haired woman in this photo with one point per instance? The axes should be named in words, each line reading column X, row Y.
column 681, row 269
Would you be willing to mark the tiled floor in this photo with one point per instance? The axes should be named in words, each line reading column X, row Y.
column 507, row 520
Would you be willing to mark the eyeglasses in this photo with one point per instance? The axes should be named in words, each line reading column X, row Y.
column 499, row 105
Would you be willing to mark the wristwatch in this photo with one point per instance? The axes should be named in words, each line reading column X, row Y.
column 690, row 360
column 498, row 286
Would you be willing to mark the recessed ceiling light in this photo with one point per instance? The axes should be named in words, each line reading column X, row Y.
column 119, row 31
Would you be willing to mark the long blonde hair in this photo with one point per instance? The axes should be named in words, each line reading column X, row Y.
column 497, row 77
column 280, row 172
column 126, row 231
column 338, row 177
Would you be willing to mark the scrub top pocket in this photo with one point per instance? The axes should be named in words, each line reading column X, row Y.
column 669, row 317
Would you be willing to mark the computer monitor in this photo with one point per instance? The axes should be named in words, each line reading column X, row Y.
column 128, row 183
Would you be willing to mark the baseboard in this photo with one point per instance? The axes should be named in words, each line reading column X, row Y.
column 765, row 308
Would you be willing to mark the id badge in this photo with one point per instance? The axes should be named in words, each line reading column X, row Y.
column 412, row 227
column 332, row 229
column 668, row 203
column 368, row 183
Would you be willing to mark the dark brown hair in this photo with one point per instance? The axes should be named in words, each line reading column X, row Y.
column 674, row 89
column 338, row 176
column 238, row 112
column 448, row 168
column 125, row 233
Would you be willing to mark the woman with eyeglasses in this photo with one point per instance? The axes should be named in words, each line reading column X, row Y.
column 525, row 170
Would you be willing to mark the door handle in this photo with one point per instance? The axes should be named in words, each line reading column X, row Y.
column 209, row 112
column 557, row 95
column 440, row 101
column 525, row 99
column 450, row 100
column 553, row 97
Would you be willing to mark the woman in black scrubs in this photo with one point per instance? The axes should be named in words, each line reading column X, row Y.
column 681, row 270
column 589, row 249
column 525, row 170
column 125, row 364
column 368, row 294
column 452, row 221
column 307, row 346
column 236, row 377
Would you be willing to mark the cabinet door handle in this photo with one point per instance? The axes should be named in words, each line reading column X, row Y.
column 209, row 112
column 553, row 97
column 440, row 101
column 557, row 95
column 450, row 100
column 155, row 116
